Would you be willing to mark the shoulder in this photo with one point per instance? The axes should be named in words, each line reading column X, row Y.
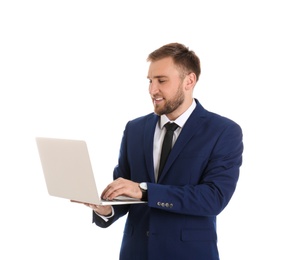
column 215, row 122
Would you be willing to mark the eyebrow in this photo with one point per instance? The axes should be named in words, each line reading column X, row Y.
column 158, row 77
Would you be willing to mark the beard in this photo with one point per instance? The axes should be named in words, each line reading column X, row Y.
column 172, row 104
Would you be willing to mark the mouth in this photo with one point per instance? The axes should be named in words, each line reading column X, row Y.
column 157, row 100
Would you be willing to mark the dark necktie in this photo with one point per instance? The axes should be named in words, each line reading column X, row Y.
column 167, row 145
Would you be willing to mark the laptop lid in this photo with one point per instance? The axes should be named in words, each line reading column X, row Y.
column 68, row 172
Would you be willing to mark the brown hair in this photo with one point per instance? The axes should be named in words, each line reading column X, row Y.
column 184, row 58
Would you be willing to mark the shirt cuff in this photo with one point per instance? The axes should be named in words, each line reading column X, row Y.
column 106, row 218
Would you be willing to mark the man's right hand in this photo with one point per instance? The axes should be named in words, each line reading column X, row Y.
column 101, row 210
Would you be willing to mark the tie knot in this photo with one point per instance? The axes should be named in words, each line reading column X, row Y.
column 171, row 126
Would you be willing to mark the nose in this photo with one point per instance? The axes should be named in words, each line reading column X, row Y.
column 153, row 88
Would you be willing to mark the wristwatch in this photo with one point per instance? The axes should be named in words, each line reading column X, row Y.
column 143, row 188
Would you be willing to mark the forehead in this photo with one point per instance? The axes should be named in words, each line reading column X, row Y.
column 164, row 67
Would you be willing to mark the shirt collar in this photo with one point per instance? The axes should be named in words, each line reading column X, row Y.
column 180, row 121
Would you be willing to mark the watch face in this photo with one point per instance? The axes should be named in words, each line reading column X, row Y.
column 143, row 185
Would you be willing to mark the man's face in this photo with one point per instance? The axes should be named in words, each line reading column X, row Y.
column 166, row 87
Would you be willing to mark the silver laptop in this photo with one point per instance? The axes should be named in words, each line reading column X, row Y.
column 68, row 172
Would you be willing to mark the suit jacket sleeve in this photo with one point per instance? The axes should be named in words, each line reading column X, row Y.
column 100, row 221
column 207, row 172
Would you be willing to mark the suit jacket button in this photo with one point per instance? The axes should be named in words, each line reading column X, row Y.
column 163, row 204
column 158, row 203
column 167, row 205
column 147, row 233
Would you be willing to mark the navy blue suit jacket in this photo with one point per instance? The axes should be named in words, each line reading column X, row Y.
column 197, row 182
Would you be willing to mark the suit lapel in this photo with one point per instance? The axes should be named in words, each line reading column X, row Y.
column 191, row 126
column 148, row 134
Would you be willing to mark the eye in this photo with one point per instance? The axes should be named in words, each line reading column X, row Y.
column 161, row 81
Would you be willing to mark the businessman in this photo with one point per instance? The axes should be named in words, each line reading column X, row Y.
column 185, row 192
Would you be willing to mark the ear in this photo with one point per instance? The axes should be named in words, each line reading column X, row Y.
column 190, row 81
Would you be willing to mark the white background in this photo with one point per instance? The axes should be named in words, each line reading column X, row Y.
column 77, row 69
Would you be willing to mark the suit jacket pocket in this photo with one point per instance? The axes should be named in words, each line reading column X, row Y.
column 198, row 234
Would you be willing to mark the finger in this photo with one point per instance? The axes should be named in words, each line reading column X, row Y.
column 114, row 189
column 94, row 207
column 107, row 193
column 110, row 195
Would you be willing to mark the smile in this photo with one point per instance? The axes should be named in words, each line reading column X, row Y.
column 157, row 100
